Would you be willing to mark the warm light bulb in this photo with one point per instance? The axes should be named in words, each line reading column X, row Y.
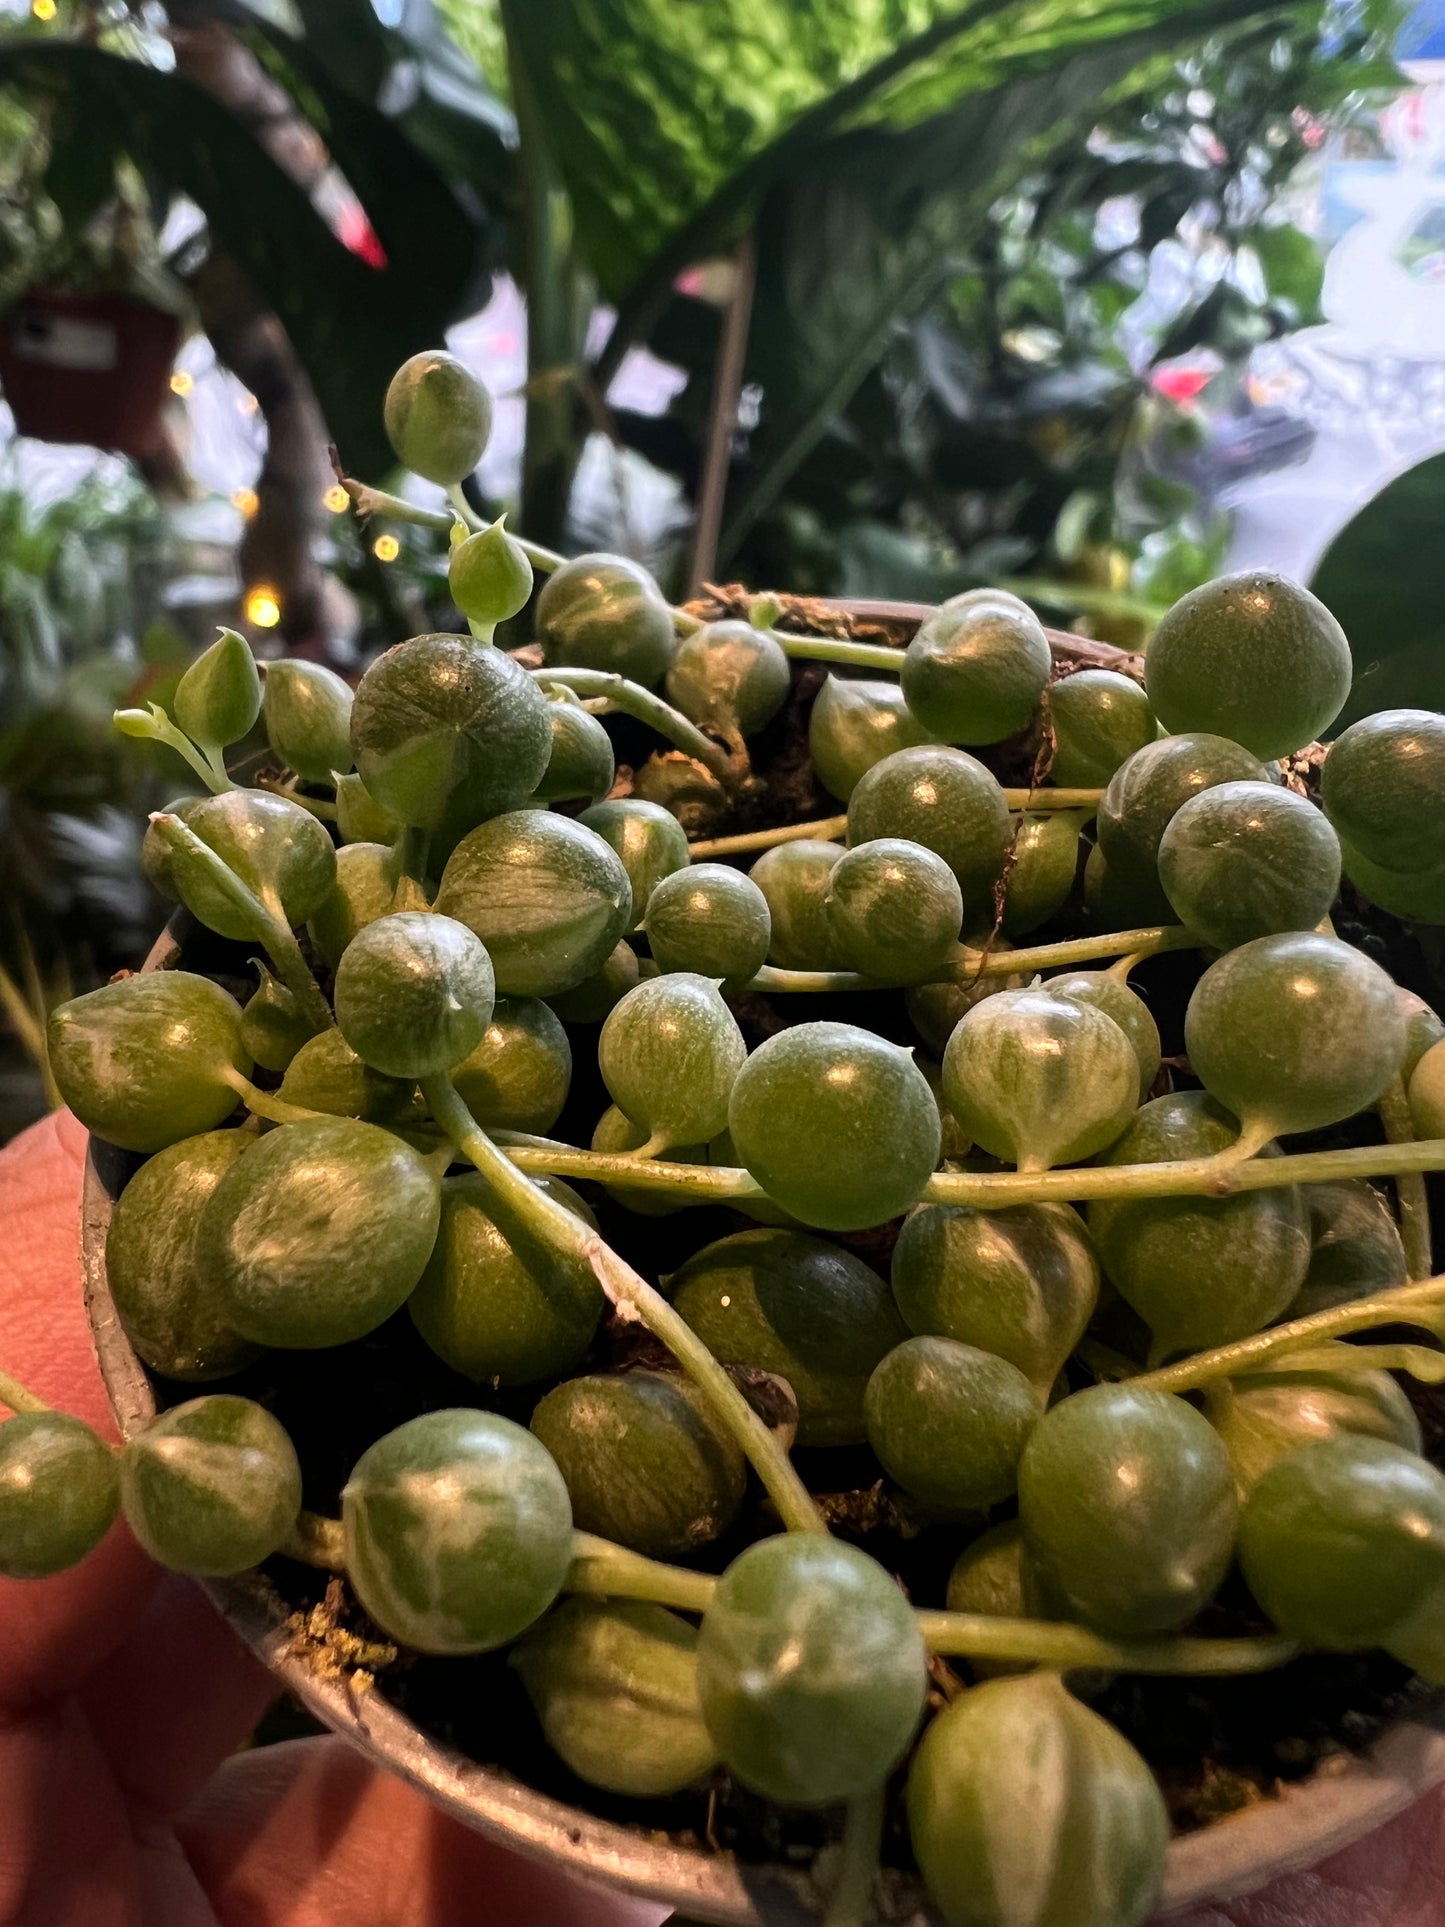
column 336, row 498
column 263, row 606
column 386, row 548
column 246, row 500
column 44, row 9
column 181, row 382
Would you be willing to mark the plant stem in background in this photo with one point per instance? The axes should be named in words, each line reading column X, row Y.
column 632, row 1298
column 1422, row 1303
column 1046, row 1642
column 827, row 829
column 18, row 1397
column 266, row 1104
column 154, row 725
column 966, row 965
column 634, row 700
column 850, row 1903
column 317, row 1541
column 268, row 926
column 605, row 1571
column 317, row 805
column 1414, row 1203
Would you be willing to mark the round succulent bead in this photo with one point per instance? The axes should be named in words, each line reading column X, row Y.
column 1143, row 795
column 148, row 1060
column 211, row 1487
column 327, row 1075
column 947, row 801
column 458, row 1531
column 273, row 1027
column 155, row 856
column 710, row 919
column 648, row 839
column 362, row 891
column 319, row 1233
column 308, row 719
column 1266, row 1415
column 414, row 993
column 808, row 1311
column 1040, row 1080
column 590, row 1001
column 729, row 677
column 894, row 909
column 1099, row 719
column 278, row 850
column 1043, row 866
column 165, row 1297
column 59, row 1492
column 1355, row 1246
column 1122, row 899
column 1128, row 1508
column 1383, row 788
column 1199, row 1271
column 948, row 1422
column 1021, row 1283
column 1254, row 657
column 605, row 612
column 1416, row 896
column 794, row 879
column 359, row 817
column 218, row 699
column 438, row 417
column 581, row 766
column 810, row 1670
column 518, row 1076
column 1344, row 1540
column 440, row 722
column 975, row 671
column 836, row 1124
column 646, row 1463
column 1125, row 1006
column 670, row 1054
column 1244, row 860
column 1294, row 1032
column 613, row 1683
column 490, row 575
column 1024, row 1806
column 854, row 724
column 547, row 896
column 1422, row 1029
column 1427, row 1094
column 935, row 1009
column 496, row 1305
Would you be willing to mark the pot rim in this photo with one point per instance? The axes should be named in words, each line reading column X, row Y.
column 1346, row 1797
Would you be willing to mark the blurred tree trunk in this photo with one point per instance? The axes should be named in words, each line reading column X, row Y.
column 278, row 546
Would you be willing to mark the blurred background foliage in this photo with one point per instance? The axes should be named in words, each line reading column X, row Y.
column 973, row 247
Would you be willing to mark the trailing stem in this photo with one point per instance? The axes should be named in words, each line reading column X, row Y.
column 262, row 914
column 850, row 1903
column 631, row 1297
column 827, row 829
column 966, row 966
column 1414, row 1203
column 634, row 700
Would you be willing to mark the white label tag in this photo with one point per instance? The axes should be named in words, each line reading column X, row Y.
column 65, row 341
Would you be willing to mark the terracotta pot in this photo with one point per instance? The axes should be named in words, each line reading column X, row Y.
column 1345, row 1800
column 88, row 368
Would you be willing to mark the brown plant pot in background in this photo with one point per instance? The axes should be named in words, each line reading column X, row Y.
column 88, row 368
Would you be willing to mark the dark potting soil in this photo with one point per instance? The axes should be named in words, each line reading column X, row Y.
column 1216, row 1744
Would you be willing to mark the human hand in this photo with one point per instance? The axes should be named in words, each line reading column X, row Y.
column 124, row 1697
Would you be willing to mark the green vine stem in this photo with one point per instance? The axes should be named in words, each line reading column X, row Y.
column 827, row 829
column 1048, row 1642
column 19, row 1397
column 152, row 724
column 266, row 1104
column 631, row 1297
column 606, row 1571
column 850, row 1903
column 370, row 502
column 634, row 700
column 858, row 655
column 1410, row 1193
column 268, row 925
column 543, row 559
column 1422, row 1303
column 1216, row 1176
column 315, row 1540
column 317, row 805
column 967, row 965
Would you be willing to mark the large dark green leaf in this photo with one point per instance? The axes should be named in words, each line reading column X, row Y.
column 350, row 323
column 871, row 225
column 1384, row 578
